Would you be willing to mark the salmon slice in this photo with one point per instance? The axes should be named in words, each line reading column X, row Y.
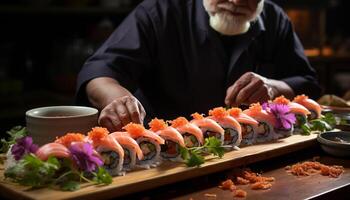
column 184, row 126
column 294, row 107
column 205, row 123
column 241, row 117
column 99, row 137
column 137, row 130
column 53, row 149
column 310, row 104
column 255, row 111
column 125, row 140
column 298, row 109
column 221, row 116
column 161, row 128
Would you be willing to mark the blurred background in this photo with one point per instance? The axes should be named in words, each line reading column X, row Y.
column 44, row 43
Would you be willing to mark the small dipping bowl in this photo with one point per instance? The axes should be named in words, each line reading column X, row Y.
column 46, row 123
column 335, row 143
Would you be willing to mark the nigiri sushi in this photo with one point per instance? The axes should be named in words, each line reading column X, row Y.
column 149, row 143
column 132, row 151
column 314, row 108
column 192, row 135
column 299, row 110
column 173, row 139
column 248, row 124
column 267, row 122
column 209, row 127
column 233, row 130
column 110, row 150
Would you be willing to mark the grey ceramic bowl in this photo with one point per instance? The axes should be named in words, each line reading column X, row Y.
column 46, row 123
column 335, row 143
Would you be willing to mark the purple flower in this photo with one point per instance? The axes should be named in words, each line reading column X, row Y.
column 23, row 146
column 266, row 106
column 285, row 119
column 84, row 157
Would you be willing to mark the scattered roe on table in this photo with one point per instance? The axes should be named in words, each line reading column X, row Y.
column 308, row 168
column 256, row 181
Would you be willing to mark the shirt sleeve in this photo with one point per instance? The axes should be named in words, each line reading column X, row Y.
column 125, row 55
column 291, row 63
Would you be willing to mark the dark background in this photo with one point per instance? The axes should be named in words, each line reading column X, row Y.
column 43, row 44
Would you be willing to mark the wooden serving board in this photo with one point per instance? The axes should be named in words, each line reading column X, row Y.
column 167, row 172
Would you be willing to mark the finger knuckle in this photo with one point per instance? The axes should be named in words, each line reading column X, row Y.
column 259, row 81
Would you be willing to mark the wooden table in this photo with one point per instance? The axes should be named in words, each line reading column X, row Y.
column 186, row 183
column 286, row 186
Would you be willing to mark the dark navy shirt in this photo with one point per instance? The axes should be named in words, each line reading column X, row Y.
column 167, row 53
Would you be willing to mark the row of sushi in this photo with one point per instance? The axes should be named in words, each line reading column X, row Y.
column 137, row 146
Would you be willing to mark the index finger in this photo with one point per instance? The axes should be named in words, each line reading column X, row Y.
column 133, row 110
column 233, row 91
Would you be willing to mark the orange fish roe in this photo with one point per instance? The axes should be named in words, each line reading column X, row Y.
column 235, row 112
column 258, row 182
column 228, row 185
column 300, row 98
column 218, row 112
column 197, row 116
column 261, row 186
column 311, row 167
column 98, row 134
column 157, row 124
column 180, row 121
column 133, row 128
column 240, row 193
column 281, row 100
column 255, row 177
column 242, row 181
column 255, row 107
column 67, row 139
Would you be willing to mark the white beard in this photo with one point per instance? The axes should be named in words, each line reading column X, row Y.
column 227, row 24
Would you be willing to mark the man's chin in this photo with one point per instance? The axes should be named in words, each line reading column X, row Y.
column 226, row 27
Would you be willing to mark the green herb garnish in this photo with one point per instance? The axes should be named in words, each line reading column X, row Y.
column 15, row 133
column 325, row 123
column 33, row 172
column 193, row 156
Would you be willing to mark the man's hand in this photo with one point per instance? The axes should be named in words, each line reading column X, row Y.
column 120, row 112
column 252, row 88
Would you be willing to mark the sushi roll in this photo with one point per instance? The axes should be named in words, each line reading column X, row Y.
column 132, row 151
column 69, row 138
column 314, row 108
column 209, row 127
column 285, row 120
column 109, row 149
column 149, row 143
column 232, row 129
column 53, row 149
column 192, row 134
column 170, row 150
column 299, row 110
column 267, row 122
column 248, row 124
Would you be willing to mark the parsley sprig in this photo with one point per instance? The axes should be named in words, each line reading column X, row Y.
column 325, row 123
column 15, row 133
column 194, row 156
column 33, row 172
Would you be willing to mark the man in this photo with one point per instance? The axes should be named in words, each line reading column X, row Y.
column 185, row 56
